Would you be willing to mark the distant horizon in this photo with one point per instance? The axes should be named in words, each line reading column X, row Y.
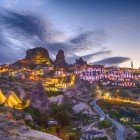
column 96, row 63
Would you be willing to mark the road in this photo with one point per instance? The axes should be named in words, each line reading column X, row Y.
column 120, row 127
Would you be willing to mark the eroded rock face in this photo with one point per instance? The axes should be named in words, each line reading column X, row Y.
column 80, row 61
column 60, row 59
column 38, row 56
column 34, row 57
column 38, row 98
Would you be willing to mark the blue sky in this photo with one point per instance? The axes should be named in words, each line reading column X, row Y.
column 93, row 29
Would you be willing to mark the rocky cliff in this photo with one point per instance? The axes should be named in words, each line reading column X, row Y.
column 34, row 56
column 38, row 56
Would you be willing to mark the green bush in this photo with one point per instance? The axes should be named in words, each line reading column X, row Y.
column 105, row 123
column 40, row 117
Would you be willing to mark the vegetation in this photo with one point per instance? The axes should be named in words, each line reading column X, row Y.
column 118, row 109
column 138, row 138
column 136, row 127
column 64, row 115
column 61, row 113
column 40, row 118
column 82, row 118
column 127, row 112
column 104, row 123
column 54, row 93
column 73, row 137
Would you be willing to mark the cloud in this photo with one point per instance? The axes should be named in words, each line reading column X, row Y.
column 27, row 24
column 23, row 30
column 96, row 54
column 81, row 44
column 89, row 39
column 112, row 61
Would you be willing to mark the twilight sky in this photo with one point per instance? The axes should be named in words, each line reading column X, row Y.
column 101, row 31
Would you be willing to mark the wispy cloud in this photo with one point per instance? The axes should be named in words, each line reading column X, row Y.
column 112, row 61
column 97, row 55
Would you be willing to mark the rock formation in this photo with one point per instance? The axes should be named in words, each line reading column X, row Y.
column 38, row 56
column 38, row 98
column 33, row 57
column 60, row 59
column 80, row 61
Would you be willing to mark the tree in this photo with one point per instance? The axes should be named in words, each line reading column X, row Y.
column 104, row 123
column 61, row 113
column 73, row 137
column 63, row 118
column 44, row 119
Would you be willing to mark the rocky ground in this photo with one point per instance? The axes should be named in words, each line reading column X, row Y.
column 13, row 127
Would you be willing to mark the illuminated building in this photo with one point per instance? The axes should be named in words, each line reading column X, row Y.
column 111, row 75
column 58, row 83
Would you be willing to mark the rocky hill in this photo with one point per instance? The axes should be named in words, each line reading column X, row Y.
column 38, row 55
column 34, row 56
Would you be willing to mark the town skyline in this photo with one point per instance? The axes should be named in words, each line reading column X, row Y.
column 78, row 59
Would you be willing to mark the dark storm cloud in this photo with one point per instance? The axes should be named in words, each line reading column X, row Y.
column 112, row 61
column 28, row 24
